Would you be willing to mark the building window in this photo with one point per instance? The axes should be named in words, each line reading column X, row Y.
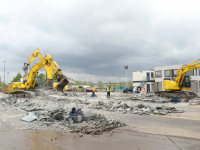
column 170, row 73
column 174, row 72
column 195, row 72
column 158, row 74
column 152, row 74
column 191, row 73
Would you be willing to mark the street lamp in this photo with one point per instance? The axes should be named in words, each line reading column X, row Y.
column 7, row 76
column 119, row 81
column 4, row 69
column 126, row 68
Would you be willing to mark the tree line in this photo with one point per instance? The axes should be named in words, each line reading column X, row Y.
column 100, row 84
column 19, row 76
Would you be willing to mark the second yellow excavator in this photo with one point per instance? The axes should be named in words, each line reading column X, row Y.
column 27, row 87
column 180, row 84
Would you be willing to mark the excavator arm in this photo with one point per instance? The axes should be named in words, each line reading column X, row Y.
column 34, row 71
column 183, row 70
column 48, row 61
column 30, row 59
column 35, row 54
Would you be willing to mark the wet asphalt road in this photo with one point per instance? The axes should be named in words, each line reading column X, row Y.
column 16, row 134
column 120, row 140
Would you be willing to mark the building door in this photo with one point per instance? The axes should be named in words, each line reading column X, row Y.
column 158, row 87
column 148, row 76
column 148, row 88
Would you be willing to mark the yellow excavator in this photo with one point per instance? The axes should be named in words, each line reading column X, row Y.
column 180, row 84
column 31, row 85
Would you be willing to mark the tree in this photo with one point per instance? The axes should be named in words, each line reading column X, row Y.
column 130, row 83
column 42, row 76
column 109, row 82
column 77, row 82
column 100, row 84
column 91, row 84
column 84, row 83
column 17, row 78
column 114, row 84
column 70, row 83
column 3, row 84
column 122, row 83
column 54, row 77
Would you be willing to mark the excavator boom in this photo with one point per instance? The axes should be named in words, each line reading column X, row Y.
column 47, row 60
column 183, row 70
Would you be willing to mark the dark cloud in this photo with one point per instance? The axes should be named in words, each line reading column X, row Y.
column 96, row 39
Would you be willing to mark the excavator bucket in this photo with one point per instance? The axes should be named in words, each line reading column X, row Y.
column 63, row 81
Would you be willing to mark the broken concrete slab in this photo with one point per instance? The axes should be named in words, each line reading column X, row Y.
column 30, row 117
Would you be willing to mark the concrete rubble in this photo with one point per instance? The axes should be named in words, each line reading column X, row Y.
column 21, row 103
column 96, row 124
column 56, row 111
column 88, row 123
column 141, row 109
column 91, row 123
column 145, row 97
column 30, row 117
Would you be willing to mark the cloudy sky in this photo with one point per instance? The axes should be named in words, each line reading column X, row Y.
column 95, row 39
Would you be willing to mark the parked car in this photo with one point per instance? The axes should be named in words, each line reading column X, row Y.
column 128, row 89
column 131, row 89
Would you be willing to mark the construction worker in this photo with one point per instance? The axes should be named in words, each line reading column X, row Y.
column 108, row 90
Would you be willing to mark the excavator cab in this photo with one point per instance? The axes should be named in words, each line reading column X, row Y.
column 41, row 83
column 186, row 82
column 38, row 83
column 48, row 84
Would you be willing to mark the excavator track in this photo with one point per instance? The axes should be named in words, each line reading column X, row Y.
column 30, row 94
column 25, row 94
column 181, row 94
column 41, row 93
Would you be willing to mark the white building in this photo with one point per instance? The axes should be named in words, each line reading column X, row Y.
column 145, row 80
column 170, row 72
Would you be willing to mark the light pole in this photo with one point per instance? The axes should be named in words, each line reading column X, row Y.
column 126, row 68
column 4, row 69
column 7, row 76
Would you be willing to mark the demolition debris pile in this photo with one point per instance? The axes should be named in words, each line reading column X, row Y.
column 75, row 119
column 24, row 104
column 146, row 97
column 141, row 109
column 97, row 124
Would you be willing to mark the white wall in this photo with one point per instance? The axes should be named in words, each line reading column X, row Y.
column 140, row 75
